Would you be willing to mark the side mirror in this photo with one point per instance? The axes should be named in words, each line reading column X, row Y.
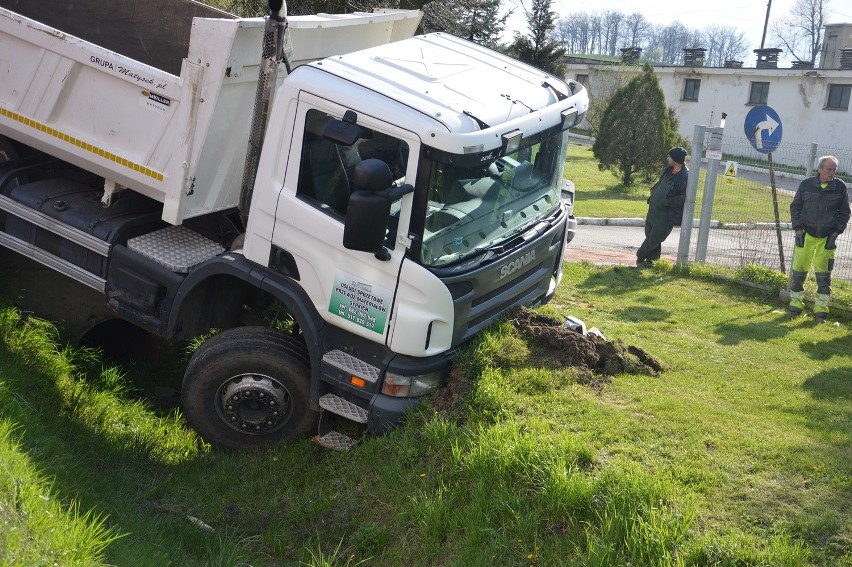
column 344, row 132
column 368, row 211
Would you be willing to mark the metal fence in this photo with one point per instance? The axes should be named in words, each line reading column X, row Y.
column 741, row 226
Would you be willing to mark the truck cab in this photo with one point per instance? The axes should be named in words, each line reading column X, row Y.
column 481, row 228
column 406, row 196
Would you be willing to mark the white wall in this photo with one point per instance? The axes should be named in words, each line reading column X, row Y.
column 798, row 96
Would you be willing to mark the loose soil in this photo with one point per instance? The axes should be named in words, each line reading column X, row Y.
column 590, row 354
column 594, row 359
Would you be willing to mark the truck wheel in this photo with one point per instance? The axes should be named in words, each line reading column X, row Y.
column 249, row 387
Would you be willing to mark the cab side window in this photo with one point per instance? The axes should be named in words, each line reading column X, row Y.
column 325, row 174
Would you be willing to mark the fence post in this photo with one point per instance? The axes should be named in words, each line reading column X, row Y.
column 714, row 144
column 691, row 192
column 811, row 170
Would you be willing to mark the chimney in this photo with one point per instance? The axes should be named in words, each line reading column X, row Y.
column 732, row 64
column 693, row 56
column 630, row 55
column 767, row 58
column 802, row 65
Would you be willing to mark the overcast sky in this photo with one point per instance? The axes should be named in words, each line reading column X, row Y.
column 747, row 16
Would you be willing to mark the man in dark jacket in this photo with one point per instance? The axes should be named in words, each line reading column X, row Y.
column 819, row 214
column 665, row 207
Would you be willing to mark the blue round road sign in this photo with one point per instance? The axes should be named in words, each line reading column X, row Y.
column 763, row 129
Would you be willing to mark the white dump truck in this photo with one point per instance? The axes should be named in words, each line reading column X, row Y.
column 337, row 203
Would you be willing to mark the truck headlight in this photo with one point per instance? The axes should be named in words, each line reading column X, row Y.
column 410, row 386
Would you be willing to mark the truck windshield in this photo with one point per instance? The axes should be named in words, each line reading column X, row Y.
column 472, row 209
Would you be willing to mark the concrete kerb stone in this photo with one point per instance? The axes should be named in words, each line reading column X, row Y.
column 581, row 139
column 611, row 221
column 696, row 223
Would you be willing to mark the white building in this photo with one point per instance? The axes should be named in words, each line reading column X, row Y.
column 836, row 46
column 813, row 104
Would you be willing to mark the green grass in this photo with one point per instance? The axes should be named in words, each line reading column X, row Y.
column 737, row 455
column 743, row 202
column 601, row 195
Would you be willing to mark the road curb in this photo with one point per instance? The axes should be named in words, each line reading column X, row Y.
column 611, row 222
column 696, row 223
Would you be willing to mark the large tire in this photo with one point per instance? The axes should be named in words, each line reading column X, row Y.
column 249, row 387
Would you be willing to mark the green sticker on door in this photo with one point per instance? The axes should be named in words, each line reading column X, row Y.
column 360, row 302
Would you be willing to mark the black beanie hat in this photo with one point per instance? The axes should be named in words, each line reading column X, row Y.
column 678, row 154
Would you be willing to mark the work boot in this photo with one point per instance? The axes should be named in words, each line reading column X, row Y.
column 820, row 317
column 793, row 312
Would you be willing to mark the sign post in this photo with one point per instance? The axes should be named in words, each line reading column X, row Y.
column 691, row 191
column 713, row 154
column 763, row 129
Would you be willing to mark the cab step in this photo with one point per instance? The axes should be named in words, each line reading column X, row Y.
column 337, row 405
column 336, row 440
column 336, row 412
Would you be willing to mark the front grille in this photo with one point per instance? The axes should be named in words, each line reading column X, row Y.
column 481, row 296
column 514, row 284
column 521, row 291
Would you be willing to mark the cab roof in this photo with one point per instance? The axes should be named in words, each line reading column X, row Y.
column 463, row 86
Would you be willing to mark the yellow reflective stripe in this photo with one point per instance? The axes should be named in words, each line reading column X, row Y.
column 20, row 118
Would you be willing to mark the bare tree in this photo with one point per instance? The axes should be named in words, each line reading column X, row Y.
column 572, row 32
column 605, row 33
column 723, row 43
column 611, row 24
column 666, row 43
column 564, row 34
column 591, row 26
column 597, row 33
column 799, row 31
column 636, row 27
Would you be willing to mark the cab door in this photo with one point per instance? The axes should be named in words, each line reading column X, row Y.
column 351, row 290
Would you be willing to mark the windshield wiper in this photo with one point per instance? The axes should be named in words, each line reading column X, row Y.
column 526, row 233
column 482, row 125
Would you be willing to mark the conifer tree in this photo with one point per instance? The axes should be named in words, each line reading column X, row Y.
column 478, row 21
column 636, row 130
column 539, row 48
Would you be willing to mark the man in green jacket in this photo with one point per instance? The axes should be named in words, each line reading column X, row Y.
column 819, row 214
column 665, row 207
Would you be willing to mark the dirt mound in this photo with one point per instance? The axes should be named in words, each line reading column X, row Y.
column 590, row 354
column 594, row 359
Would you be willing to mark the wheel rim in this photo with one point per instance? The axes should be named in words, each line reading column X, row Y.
column 254, row 403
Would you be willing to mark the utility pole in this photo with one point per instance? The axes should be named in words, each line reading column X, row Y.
column 765, row 23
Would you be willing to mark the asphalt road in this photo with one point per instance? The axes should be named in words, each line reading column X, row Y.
column 617, row 244
column 605, row 244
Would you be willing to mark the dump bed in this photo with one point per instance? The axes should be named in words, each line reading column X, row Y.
column 163, row 108
column 154, row 32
